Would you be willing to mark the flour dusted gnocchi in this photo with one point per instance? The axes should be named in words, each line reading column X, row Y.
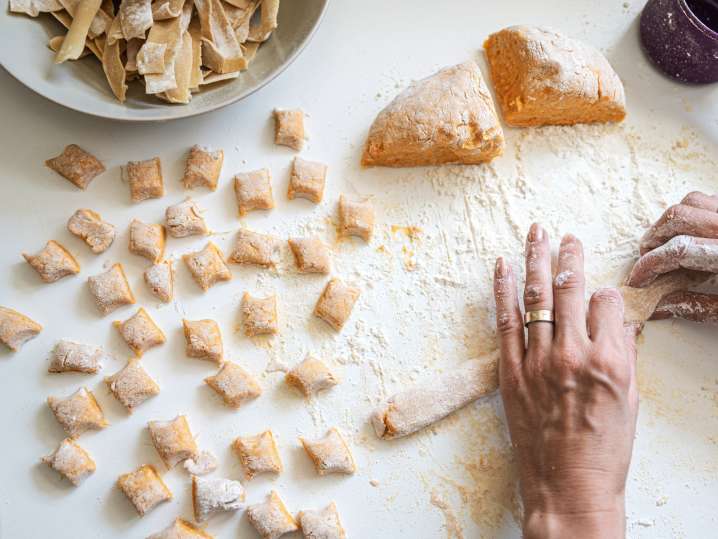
column 78, row 412
column 289, row 128
column 173, row 440
column 181, row 529
column 207, row 266
column 330, row 454
column 147, row 240
column 161, row 280
column 53, row 263
column 234, row 384
column 260, row 315
column 253, row 191
column 202, row 464
column 132, row 385
column 90, row 228
column 321, row 523
column 144, row 488
column 271, row 518
column 16, row 328
column 258, row 454
column 311, row 376
column 140, row 332
column 356, row 217
column 307, row 180
column 70, row 356
column 202, row 168
column 145, row 179
column 185, row 219
column 312, row 255
column 76, row 165
column 215, row 494
column 204, row 340
column 255, row 248
column 110, row 290
column 71, row 461
column 336, row 303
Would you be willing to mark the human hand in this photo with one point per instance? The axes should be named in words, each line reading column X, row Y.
column 569, row 393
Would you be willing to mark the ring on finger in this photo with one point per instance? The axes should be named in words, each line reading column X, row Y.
column 539, row 315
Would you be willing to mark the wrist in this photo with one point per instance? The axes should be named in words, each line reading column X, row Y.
column 594, row 524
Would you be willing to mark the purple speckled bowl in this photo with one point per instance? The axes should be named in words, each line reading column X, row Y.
column 678, row 42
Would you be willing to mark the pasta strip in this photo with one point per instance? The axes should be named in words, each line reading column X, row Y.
column 34, row 7
column 64, row 18
column 166, row 9
column 74, row 42
column 100, row 22
column 267, row 23
column 113, row 66
column 220, row 48
column 183, row 72
column 135, row 18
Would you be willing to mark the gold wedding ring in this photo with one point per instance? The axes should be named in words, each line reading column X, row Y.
column 541, row 315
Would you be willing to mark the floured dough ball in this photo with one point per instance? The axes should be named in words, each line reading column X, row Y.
column 234, row 384
column 312, row 255
column 356, row 217
column 160, row 280
column 271, row 518
column 258, row 454
column 145, row 179
column 140, row 332
column 207, row 266
column 322, row 523
column 147, row 240
column 78, row 413
column 144, row 488
column 89, row 226
column 260, row 315
column 76, row 165
column 132, row 385
column 202, row 168
column 71, row 461
column 110, row 289
column 181, row 529
column 185, row 219
column 448, row 117
column 53, row 263
column 173, row 440
column 203, row 339
column 253, row 191
column 289, row 128
column 336, row 303
column 70, row 356
column 307, row 180
column 542, row 77
column 215, row 494
column 255, row 248
column 330, row 454
column 311, row 376
column 16, row 328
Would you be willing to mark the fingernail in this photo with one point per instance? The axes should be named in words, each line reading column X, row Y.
column 567, row 239
column 535, row 233
column 501, row 269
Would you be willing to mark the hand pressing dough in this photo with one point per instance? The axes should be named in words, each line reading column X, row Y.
column 89, row 226
column 16, row 328
column 542, row 77
column 448, row 117
column 53, row 263
column 71, row 462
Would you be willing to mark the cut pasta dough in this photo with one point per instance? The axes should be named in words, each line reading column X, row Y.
column 321, row 523
column 132, row 385
column 253, row 191
column 203, row 464
column 312, row 255
column 202, row 168
column 173, row 440
column 255, row 248
column 53, row 263
column 356, row 217
column 258, row 454
column 110, row 290
column 145, row 179
column 70, row 356
column 204, row 340
column 289, row 128
column 144, row 488
column 16, row 328
column 71, row 461
column 181, row 529
column 78, row 412
column 89, row 227
column 271, row 518
column 160, row 280
column 234, row 384
column 307, row 180
column 330, row 454
column 140, row 332
column 76, row 165
column 214, row 495
column 147, row 240
column 336, row 303
column 311, row 376
column 260, row 315
column 185, row 219
column 207, row 266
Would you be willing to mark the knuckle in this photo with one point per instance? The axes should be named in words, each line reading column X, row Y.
column 675, row 213
column 536, row 294
column 568, row 280
column 692, row 198
column 507, row 323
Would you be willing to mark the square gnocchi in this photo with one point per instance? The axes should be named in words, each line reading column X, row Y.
column 322, row 523
column 90, row 228
column 132, row 385
column 173, row 440
column 53, row 263
column 160, row 279
column 78, row 412
column 253, row 191
column 289, row 128
column 16, row 328
column 110, row 290
column 336, row 303
column 311, row 376
column 181, row 529
column 207, row 266
column 330, row 454
column 145, row 179
column 202, row 168
column 260, row 315
column 140, row 332
column 185, row 219
column 70, row 356
column 144, row 488
column 307, row 180
column 356, row 217
column 255, row 248
column 76, row 165
column 258, row 454
column 147, row 241
column 203, row 339
column 312, row 255
column 215, row 494
column 271, row 518
column 234, row 384
column 71, row 461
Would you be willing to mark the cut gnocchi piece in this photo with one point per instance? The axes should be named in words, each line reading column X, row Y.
column 185, row 219
column 144, row 488
column 234, row 384
column 147, row 240
column 260, row 315
column 181, row 529
column 322, row 523
column 53, row 263
column 215, row 494
column 271, row 518
column 253, row 191
column 71, row 461
column 202, row 168
column 330, row 454
column 70, row 356
column 207, row 266
column 307, row 180
column 203, row 464
column 204, row 340
column 312, row 255
column 145, row 179
column 110, row 290
column 78, row 412
column 289, row 128
column 255, row 248
column 258, row 454
column 336, row 303
column 76, row 165
column 90, row 228
column 173, row 440
column 132, row 385
column 16, row 328
column 140, row 332
column 311, row 376
column 160, row 279
column 356, row 217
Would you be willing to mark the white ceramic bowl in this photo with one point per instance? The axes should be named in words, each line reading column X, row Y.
column 81, row 85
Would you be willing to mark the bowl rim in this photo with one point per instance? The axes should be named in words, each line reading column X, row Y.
column 189, row 113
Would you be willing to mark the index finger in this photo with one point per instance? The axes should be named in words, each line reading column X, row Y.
column 680, row 220
column 509, row 323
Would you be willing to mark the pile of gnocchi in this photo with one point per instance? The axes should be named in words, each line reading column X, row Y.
column 132, row 385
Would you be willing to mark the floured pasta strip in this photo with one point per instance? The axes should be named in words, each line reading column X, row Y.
column 132, row 385
column 253, row 191
column 255, row 248
column 215, row 494
column 195, row 32
column 16, row 328
column 76, row 165
column 71, row 356
column 267, row 22
column 220, row 49
column 34, row 7
column 110, row 290
column 312, row 255
column 208, row 77
column 202, row 464
column 145, row 179
column 321, row 523
column 140, row 332
column 258, row 454
column 203, row 339
column 271, row 518
column 83, row 14
column 239, row 13
column 71, row 461
column 330, row 454
column 356, row 217
column 336, row 303
column 306, row 180
column 181, row 529
column 260, row 315
column 78, row 412
column 202, row 168
column 311, row 376
column 55, row 42
column 289, row 128
column 100, row 22
column 89, row 226
column 173, row 440
column 135, row 18
column 168, row 33
column 112, row 63
column 53, row 263
column 185, row 219
column 64, row 18
column 144, row 488
column 151, row 58
column 166, row 9
column 181, row 93
column 235, row 385
column 207, row 266
column 131, row 51
column 160, row 280
column 147, row 240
